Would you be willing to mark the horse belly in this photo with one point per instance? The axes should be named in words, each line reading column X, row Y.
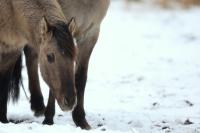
column 7, row 60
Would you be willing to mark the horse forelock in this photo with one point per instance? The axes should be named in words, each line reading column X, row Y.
column 65, row 41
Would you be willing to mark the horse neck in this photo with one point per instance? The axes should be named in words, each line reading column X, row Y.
column 52, row 11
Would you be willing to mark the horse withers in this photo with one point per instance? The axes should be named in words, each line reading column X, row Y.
column 88, row 15
column 42, row 25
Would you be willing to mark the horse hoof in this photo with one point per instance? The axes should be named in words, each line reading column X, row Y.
column 4, row 120
column 39, row 113
column 84, row 125
column 48, row 122
column 87, row 127
column 37, row 105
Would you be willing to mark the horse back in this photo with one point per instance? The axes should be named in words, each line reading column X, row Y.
column 88, row 13
column 10, row 37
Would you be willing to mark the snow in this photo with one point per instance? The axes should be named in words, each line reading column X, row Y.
column 144, row 76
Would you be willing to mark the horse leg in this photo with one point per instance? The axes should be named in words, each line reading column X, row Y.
column 37, row 102
column 7, row 61
column 4, row 86
column 3, row 111
column 85, row 50
column 3, row 98
column 50, row 110
column 78, row 113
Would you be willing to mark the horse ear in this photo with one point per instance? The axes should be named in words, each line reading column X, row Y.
column 44, row 27
column 72, row 26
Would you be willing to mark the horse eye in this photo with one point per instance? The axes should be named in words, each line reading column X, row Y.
column 51, row 58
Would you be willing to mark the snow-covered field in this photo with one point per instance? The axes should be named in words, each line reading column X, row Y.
column 144, row 76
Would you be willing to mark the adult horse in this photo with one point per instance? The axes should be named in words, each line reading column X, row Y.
column 42, row 25
column 88, row 15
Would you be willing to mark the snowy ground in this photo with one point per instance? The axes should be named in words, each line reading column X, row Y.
column 144, row 76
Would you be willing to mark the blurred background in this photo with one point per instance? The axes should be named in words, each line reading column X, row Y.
column 146, row 67
column 169, row 3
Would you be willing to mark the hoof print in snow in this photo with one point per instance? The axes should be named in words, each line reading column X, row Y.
column 103, row 129
column 187, row 122
column 165, row 127
column 130, row 122
column 60, row 115
column 100, row 125
column 155, row 104
column 157, row 125
column 139, row 79
column 189, row 103
column 17, row 121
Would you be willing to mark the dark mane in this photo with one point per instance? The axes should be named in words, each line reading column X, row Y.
column 64, row 39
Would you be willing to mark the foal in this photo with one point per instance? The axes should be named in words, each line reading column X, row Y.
column 42, row 25
column 89, row 15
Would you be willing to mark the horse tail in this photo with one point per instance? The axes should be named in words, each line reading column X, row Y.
column 15, row 80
